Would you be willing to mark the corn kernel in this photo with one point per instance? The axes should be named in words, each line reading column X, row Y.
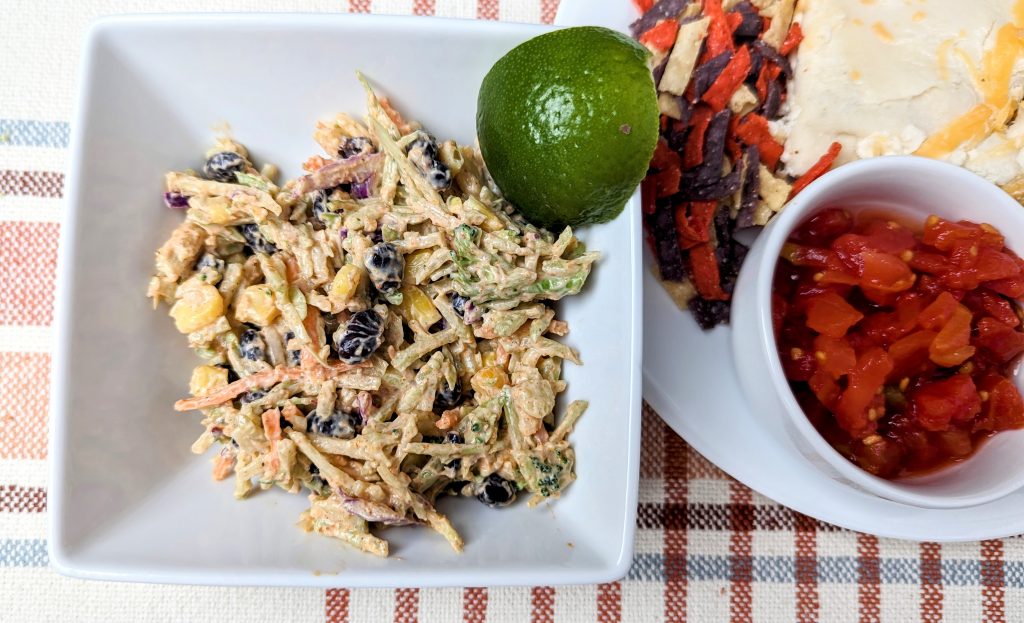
column 491, row 221
column 414, row 263
column 198, row 305
column 256, row 305
column 345, row 285
column 217, row 210
column 489, row 381
column 417, row 306
column 206, row 379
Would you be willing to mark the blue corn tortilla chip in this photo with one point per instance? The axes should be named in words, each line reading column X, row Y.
column 662, row 225
column 709, row 314
column 695, row 189
column 677, row 130
column 662, row 10
column 705, row 75
column 756, row 61
column 751, row 187
column 771, row 54
column 751, row 26
column 706, row 182
column 772, row 100
column 659, row 71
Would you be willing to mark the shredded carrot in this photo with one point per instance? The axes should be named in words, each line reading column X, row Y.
column 223, row 466
column 314, row 163
column 260, row 380
column 272, row 429
column 792, row 40
column 817, row 170
column 693, row 153
column 272, row 424
column 395, row 116
column 662, row 36
column 721, row 90
column 291, row 414
column 291, row 268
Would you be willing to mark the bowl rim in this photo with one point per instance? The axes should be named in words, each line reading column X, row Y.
column 776, row 234
column 63, row 560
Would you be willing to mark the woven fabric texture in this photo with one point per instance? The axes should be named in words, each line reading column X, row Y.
column 707, row 548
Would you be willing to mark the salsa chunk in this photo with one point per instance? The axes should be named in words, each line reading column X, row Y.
column 900, row 343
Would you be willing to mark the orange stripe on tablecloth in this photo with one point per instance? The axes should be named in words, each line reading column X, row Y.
column 675, row 460
column 542, row 604
column 806, row 542
column 17, row 499
column 24, row 397
column 993, row 603
column 741, row 561
column 423, row 7
column 31, row 183
column 868, row 579
column 407, row 605
column 931, row 582
column 359, row 6
column 28, row 268
column 336, row 605
column 474, row 605
column 609, row 603
column 548, row 8
column 652, row 431
column 487, row 9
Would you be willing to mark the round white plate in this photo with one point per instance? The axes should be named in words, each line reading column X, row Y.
column 690, row 380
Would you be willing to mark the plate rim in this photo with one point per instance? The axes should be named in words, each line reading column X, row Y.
column 679, row 422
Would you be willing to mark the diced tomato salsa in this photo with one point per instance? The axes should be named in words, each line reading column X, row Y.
column 900, row 345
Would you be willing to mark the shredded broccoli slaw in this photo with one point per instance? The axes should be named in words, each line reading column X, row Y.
column 378, row 332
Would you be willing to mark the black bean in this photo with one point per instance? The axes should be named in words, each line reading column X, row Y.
column 294, row 356
column 354, row 146
column 252, row 346
column 252, row 396
column 448, row 397
column 340, row 424
column 496, row 491
column 232, row 376
column 221, row 167
column 175, row 200
column 360, row 337
column 255, row 241
column 422, row 153
column 208, row 260
column 385, row 266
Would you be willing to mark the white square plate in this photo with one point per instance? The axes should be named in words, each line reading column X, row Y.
column 129, row 501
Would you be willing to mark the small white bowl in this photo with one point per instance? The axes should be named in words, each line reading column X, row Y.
column 915, row 187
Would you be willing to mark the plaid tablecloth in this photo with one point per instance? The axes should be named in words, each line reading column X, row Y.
column 707, row 549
